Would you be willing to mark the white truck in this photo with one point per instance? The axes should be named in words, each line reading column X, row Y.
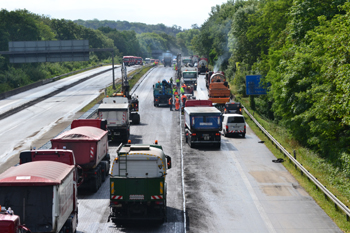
column 116, row 111
column 190, row 76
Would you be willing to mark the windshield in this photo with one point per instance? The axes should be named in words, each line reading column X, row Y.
column 235, row 120
column 190, row 75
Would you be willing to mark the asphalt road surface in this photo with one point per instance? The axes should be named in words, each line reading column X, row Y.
column 238, row 188
column 18, row 131
column 157, row 123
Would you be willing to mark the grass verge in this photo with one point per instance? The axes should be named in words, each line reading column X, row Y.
column 310, row 160
column 135, row 77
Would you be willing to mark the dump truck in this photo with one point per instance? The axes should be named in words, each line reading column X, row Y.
column 43, row 194
column 189, row 77
column 219, row 90
column 57, row 155
column 162, row 92
column 138, row 188
column 116, row 111
column 167, row 59
column 202, row 65
column 132, row 100
column 11, row 223
column 202, row 125
column 90, row 147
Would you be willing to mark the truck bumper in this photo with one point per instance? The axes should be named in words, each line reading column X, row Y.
column 138, row 211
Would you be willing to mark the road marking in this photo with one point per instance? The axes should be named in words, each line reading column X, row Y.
column 182, row 175
column 256, row 201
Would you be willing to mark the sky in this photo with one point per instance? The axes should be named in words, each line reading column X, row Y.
column 181, row 12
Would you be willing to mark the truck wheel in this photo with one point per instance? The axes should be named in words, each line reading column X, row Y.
column 189, row 143
column 243, row 135
column 136, row 119
column 225, row 134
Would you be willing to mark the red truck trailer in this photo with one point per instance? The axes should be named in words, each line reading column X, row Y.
column 57, row 155
column 90, row 147
column 43, row 194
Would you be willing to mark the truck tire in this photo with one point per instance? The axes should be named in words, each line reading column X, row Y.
column 96, row 181
column 104, row 173
column 243, row 135
column 136, row 119
column 189, row 142
column 67, row 227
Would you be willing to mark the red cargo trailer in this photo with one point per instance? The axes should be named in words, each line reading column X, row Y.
column 43, row 194
column 90, row 147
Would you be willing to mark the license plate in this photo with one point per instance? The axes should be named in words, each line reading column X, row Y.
column 206, row 136
column 136, row 197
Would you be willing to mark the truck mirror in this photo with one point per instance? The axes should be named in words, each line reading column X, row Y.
column 168, row 159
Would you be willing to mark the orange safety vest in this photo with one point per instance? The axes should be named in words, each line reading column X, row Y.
column 177, row 104
column 170, row 101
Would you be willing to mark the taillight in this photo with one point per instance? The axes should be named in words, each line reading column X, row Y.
column 227, row 127
column 114, row 203
column 159, row 203
column 194, row 134
column 217, row 134
column 244, row 127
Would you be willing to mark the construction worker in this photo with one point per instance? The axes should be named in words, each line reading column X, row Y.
column 171, row 80
column 177, row 82
column 174, row 89
column 182, row 90
column 177, row 103
column 183, row 99
column 171, row 103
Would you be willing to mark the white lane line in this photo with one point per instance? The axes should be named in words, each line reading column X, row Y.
column 182, row 174
column 256, row 201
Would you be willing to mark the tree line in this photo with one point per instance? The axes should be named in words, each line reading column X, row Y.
column 125, row 38
column 301, row 49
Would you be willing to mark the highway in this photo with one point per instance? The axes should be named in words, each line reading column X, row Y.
column 239, row 189
column 236, row 188
column 157, row 123
column 19, row 131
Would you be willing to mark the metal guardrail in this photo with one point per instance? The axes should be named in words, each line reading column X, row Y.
column 327, row 193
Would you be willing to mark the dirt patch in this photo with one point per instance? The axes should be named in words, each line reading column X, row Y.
column 276, row 190
column 272, row 176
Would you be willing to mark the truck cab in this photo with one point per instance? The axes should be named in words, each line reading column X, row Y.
column 190, row 78
column 233, row 107
column 10, row 223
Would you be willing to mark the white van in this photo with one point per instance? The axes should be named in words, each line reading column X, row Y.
column 233, row 124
